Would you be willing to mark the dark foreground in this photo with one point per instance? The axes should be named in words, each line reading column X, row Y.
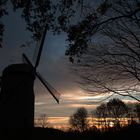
column 129, row 132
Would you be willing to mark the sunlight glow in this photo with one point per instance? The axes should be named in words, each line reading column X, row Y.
column 63, row 122
column 84, row 105
column 39, row 103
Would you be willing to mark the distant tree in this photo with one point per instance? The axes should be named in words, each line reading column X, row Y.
column 113, row 109
column 78, row 121
column 42, row 121
column 101, row 112
column 92, row 122
column 116, row 109
column 137, row 110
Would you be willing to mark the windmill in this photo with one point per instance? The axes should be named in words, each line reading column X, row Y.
column 17, row 95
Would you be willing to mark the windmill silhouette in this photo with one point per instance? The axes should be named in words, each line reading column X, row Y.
column 17, row 94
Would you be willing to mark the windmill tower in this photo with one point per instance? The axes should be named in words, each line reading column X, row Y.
column 17, row 95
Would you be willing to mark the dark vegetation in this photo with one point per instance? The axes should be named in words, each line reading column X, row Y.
column 83, row 129
column 126, row 132
column 130, row 131
column 80, row 128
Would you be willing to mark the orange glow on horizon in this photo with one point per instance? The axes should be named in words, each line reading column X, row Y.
column 63, row 122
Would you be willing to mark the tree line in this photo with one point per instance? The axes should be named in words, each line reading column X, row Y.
column 110, row 114
column 114, row 113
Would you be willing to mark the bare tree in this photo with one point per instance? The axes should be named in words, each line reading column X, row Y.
column 78, row 120
column 116, row 109
column 42, row 121
column 101, row 112
column 112, row 111
column 113, row 65
column 3, row 12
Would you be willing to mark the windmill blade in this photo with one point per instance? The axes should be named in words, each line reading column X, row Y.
column 26, row 60
column 35, row 54
column 41, row 47
column 52, row 91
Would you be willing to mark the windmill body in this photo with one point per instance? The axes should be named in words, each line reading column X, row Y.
column 17, row 97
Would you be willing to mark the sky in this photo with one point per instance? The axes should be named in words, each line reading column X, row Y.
column 54, row 66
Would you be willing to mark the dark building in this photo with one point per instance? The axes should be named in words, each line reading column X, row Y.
column 17, row 97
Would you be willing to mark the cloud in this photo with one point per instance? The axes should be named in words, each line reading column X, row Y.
column 58, row 122
column 69, row 103
column 39, row 103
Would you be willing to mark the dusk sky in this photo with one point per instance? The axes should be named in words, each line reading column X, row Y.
column 54, row 67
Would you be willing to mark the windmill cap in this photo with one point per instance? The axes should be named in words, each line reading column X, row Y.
column 18, row 69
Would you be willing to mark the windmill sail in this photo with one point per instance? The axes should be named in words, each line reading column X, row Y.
column 36, row 52
column 52, row 91
column 26, row 60
column 41, row 47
